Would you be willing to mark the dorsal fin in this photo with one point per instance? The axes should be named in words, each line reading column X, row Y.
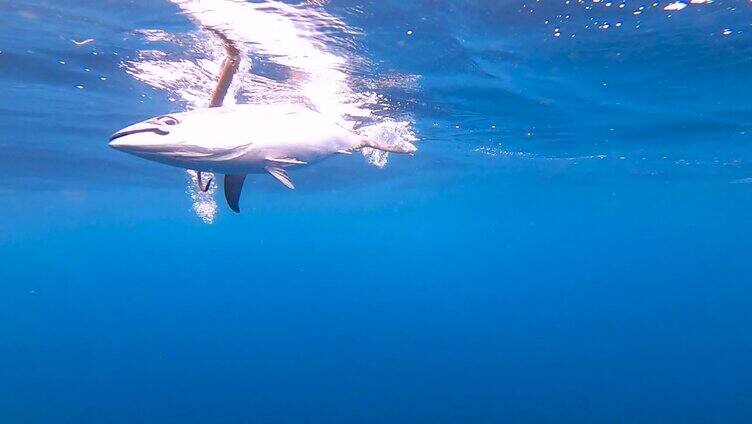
column 229, row 67
column 281, row 175
column 233, row 187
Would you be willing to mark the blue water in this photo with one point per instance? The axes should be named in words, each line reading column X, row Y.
column 571, row 243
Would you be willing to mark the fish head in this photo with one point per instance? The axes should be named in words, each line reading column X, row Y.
column 156, row 136
column 187, row 139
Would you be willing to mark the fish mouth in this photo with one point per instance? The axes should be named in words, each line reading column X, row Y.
column 125, row 132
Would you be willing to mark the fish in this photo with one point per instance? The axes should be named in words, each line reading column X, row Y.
column 244, row 139
column 238, row 140
column 83, row 42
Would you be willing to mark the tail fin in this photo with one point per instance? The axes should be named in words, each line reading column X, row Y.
column 402, row 147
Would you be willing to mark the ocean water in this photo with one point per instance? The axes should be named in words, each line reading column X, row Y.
column 570, row 243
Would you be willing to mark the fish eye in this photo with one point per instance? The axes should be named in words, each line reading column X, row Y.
column 168, row 120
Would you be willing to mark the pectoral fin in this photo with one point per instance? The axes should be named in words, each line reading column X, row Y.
column 281, row 175
column 285, row 161
column 233, row 187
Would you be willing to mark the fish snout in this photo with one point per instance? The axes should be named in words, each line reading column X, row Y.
column 137, row 137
